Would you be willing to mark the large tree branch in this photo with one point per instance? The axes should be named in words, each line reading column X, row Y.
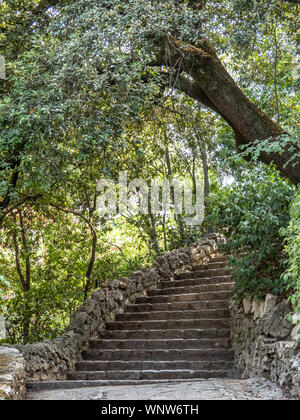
column 214, row 87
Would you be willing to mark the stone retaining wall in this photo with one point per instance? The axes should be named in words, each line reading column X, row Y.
column 265, row 342
column 12, row 374
column 52, row 359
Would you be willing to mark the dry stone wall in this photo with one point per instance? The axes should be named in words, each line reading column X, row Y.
column 52, row 359
column 12, row 374
column 266, row 343
column 2, row 328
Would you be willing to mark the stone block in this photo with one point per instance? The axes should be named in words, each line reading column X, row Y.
column 270, row 303
column 247, row 305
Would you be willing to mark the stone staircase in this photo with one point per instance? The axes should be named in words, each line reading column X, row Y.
column 178, row 332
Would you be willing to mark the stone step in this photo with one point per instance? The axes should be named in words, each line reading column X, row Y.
column 188, row 297
column 203, row 273
column 169, row 324
column 195, row 282
column 148, row 374
column 120, row 365
column 178, row 306
column 210, row 265
column 221, row 287
column 158, row 355
column 184, row 334
column 164, row 315
column 213, row 343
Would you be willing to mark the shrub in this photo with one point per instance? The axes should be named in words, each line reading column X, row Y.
column 251, row 213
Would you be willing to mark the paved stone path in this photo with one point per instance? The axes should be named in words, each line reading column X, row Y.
column 206, row 389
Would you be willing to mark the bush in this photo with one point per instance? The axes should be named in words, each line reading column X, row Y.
column 251, row 213
column 292, row 248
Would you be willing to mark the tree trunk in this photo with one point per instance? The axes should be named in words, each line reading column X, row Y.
column 88, row 283
column 214, row 87
column 165, row 233
column 26, row 251
column 25, row 281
